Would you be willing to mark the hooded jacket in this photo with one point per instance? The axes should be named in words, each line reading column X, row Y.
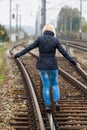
column 47, row 45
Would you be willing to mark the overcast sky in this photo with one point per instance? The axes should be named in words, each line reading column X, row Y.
column 29, row 8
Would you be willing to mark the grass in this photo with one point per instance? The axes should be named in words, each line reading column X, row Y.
column 2, row 63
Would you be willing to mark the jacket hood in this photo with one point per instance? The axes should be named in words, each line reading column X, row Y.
column 48, row 33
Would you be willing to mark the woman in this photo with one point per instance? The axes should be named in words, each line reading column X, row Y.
column 47, row 64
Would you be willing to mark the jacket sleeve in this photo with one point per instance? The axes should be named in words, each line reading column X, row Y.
column 27, row 49
column 64, row 53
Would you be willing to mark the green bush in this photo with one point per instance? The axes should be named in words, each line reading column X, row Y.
column 2, row 64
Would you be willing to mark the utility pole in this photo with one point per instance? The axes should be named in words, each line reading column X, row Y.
column 80, row 24
column 65, row 25
column 20, row 21
column 17, row 22
column 71, row 24
column 36, row 25
column 71, row 20
column 43, row 13
column 39, row 20
column 17, row 18
column 10, row 30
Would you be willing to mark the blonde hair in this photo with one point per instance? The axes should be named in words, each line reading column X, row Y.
column 49, row 27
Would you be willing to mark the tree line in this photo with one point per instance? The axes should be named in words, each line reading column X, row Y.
column 68, row 20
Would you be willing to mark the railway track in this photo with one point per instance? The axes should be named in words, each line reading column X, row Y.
column 79, row 43
column 73, row 102
column 75, row 44
column 74, row 71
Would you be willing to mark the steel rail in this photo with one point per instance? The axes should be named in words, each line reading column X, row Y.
column 73, row 80
column 82, row 48
column 82, row 71
column 51, row 121
column 73, row 45
column 30, row 86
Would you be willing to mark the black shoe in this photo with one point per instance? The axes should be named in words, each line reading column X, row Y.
column 48, row 109
column 57, row 106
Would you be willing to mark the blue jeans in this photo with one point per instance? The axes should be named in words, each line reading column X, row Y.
column 50, row 79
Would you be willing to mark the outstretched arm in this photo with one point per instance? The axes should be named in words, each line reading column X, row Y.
column 65, row 54
column 27, row 49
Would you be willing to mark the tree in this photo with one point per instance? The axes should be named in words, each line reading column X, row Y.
column 68, row 19
column 84, row 28
column 3, row 33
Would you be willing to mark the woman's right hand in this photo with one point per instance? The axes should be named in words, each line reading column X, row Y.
column 12, row 56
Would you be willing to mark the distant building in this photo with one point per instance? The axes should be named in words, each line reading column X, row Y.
column 18, row 35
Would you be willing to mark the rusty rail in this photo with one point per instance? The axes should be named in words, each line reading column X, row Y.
column 30, row 86
column 72, row 79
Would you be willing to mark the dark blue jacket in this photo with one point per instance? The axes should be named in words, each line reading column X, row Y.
column 47, row 45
